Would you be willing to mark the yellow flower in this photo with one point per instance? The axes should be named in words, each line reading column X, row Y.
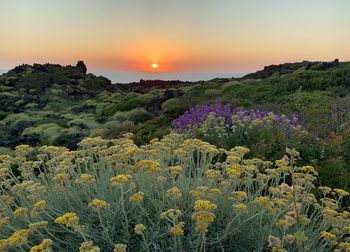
column 172, row 213
column 21, row 212
column 241, row 208
column 238, row 196
column 137, row 197
column 174, row 170
column 41, row 205
column 68, row 219
column 62, row 177
column 281, row 224
column 97, row 205
column 213, row 174
column 87, row 247
column 177, row 230
column 148, row 165
column 43, row 246
column 4, row 221
column 37, row 225
column 174, row 193
column 215, row 191
column 327, row 235
column 139, row 228
column 119, row 248
column 19, row 237
column 325, row 189
column 121, row 178
column 85, row 179
column 203, row 218
column 341, row 192
column 204, row 205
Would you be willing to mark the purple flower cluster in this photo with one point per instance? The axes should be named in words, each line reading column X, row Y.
column 241, row 117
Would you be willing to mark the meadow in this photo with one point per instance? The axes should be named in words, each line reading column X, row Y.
column 258, row 163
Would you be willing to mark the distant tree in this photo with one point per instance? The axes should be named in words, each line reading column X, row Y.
column 81, row 66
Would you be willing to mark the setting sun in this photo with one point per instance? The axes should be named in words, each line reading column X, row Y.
column 154, row 65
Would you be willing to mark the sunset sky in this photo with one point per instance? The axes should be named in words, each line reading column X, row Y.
column 178, row 35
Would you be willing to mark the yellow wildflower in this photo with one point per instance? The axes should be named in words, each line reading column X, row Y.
column 178, row 230
column 172, row 213
column 68, row 219
column 137, row 197
column 174, row 193
column 97, row 205
column 148, row 165
column 215, row 191
column 241, row 208
column 87, row 247
column 325, row 189
column 174, row 170
column 341, row 192
column 19, row 237
column 204, row 205
column 43, row 246
column 139, row 228
column 4, row 221
column 121, row 178
column 327, row 235
column 37, row 225
column 120, row 248
column 20, row 212
column 62, row 177
column 238, row 196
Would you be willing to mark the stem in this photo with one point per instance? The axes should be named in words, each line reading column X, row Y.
column 295, row 203
column 145, row 242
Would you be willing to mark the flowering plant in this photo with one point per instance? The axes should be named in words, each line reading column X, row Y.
column 168, row 195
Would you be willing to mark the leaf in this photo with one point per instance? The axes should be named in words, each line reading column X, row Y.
column 300, row 236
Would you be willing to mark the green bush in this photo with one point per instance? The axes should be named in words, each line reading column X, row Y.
column 139, row 115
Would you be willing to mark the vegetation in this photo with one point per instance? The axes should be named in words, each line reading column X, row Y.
column 168, row 195
column 51, row 104
column 196, row 173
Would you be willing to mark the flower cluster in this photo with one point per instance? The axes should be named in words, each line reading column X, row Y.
column 224, row 120
column 97, row 205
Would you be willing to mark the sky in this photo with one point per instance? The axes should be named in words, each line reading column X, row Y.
column 177, row 35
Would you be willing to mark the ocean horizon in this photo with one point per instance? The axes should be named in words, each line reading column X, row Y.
column 131, row 76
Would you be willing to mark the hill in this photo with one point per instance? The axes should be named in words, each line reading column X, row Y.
column 53, row 104
column 60, row 105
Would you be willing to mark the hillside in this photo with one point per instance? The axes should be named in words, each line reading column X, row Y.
column 60, row 105
column 52, row 104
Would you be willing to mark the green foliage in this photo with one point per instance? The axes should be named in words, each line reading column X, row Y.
column 139, row 115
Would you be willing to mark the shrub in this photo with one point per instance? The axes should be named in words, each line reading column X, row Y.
column 168, row 195
column 139, row 115
column 266, row 133
column 48, row 131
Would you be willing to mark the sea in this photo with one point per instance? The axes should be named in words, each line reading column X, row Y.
column 129, row 76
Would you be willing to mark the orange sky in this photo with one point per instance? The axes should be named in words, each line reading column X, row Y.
column 182, row 35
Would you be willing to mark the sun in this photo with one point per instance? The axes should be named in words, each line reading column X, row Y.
column 154, row 65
